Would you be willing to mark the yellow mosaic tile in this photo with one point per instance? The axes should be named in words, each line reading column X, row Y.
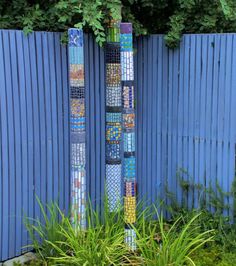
column 130, row 209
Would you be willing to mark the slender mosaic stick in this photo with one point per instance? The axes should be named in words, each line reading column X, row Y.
column 127, row 77
column 77, row 128
column 113, row 116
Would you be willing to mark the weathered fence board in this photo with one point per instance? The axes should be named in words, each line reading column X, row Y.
column 185, row 102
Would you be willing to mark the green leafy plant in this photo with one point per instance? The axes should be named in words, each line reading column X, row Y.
column 211, row 205
column 48, row 230
column 169, row 17
column 56, row 241
column 172, row 244
column 182, row 240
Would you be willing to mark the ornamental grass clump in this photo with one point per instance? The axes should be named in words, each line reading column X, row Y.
column 159, row 243
column 165, row 244
column 57, row 242
column 41, row 232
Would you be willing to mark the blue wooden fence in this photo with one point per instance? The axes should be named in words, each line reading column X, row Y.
column 34, row 131
column 186, row 113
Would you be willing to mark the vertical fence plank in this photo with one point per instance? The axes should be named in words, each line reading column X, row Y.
column 181, row 118
column 214, row 113
column 209, row 100
column 17, row 141
column 175, row 122
column 220, row 115
column 24, row 144
column 183, row 175
column 92, row 121
column 196, row 129
column 48, row 110
column 169, row 121
column 102, row 124
column 232, row 133
column 29, row 118
column 149, row 119
column 145, row 93
column 66, row 125
column 164, row 123
column 97, row 125
column 227, row 163
column 59, row 92
column 159, row 82
column 54, row 126
column 36, row 137
column 155, row 118
column 202, row 114
column 42, row 120
column 5, row 152
column 11, row 141
column 138, row 59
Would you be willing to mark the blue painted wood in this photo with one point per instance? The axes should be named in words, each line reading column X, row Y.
column 185, row 118
column 59, row 92
column 24, row 146
column 11, row 144
column 34, row 151
column 202, row 115
column 5, row 154
column 159, row 81
column 66, row 126
column 198, row 63
column 102, row 124
column 35, row 183
column 180, row 129
column 41, row 191
column 227, row 163
column 209, row 84
column 53, row 103
column 17, row 125
column 232, row 118
column 214, row 114
column 154, row 112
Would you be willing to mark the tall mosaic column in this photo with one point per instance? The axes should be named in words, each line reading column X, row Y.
column 77, row 128
column 113, row 116
column 128, row 114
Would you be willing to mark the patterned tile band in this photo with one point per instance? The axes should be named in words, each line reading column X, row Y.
column 77, row 128
column 113, row 116
column 128, row 122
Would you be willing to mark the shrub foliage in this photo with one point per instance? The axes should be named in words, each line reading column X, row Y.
column 171, row 17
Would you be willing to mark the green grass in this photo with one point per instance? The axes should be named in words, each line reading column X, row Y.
column 159, row 242
column 171, row 244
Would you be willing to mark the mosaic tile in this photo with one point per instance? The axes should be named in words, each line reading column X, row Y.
column 130, row 209
column 76, row 75
column 113, row 117
column 113, row 185
column 129, row 120
column 113, row 131
column 130, row 239
column 129, row 142
column 128, row 97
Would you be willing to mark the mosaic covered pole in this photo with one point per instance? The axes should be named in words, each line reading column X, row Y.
column 127, row 77
column 77, row 128
column 113, row 117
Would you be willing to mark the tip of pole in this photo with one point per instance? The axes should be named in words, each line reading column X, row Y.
column 126, row 27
